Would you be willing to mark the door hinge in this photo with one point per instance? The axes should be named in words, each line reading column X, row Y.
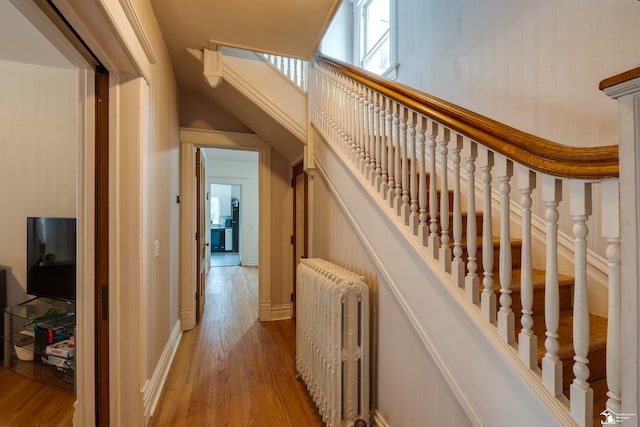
column 292, row 182
column 196, row 236
column 292, row 240
column 291, row 296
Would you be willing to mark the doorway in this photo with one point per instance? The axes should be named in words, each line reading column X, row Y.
column 231, row 142
column 225, row 203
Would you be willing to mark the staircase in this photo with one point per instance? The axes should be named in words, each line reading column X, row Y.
column 416, row 155
column 597, row 324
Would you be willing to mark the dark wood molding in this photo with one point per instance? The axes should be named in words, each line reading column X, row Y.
column 529, row 150
column 102, row 247
column 620, row 78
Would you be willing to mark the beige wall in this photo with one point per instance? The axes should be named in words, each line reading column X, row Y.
column 198, row 111
column 38, row 157
column 407, row 386
column 281, row 231
column 160, row 186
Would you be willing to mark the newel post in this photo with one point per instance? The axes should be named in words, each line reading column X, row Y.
column 625, row 88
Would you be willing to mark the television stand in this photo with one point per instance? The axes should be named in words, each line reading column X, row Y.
column 37, row 340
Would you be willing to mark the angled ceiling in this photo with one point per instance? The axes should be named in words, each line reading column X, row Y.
column 284, row 27
column 292, row 28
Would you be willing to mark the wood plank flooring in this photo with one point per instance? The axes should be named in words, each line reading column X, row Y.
column 232, row 370
column 26, row 403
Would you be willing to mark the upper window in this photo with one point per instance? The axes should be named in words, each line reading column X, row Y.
column 375, row 24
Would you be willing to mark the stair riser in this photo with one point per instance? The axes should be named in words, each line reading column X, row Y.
column 516, row 255
column 565, row 293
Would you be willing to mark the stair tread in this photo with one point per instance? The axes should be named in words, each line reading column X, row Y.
column 538, row 280
column 597, row 334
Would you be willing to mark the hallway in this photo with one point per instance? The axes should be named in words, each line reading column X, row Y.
column 232, row 370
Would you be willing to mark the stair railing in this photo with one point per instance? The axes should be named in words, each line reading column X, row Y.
column 416, row 151
column 294, row 69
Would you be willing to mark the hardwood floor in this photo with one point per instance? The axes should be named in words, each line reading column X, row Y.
column 232, row 370
column 26, row 403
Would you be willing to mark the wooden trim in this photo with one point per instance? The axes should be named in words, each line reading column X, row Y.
column 528, row 150
column 102, row 247
column 296, row 170
column 620, row 78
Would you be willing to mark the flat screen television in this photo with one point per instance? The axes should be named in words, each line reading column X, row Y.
column 51, row 257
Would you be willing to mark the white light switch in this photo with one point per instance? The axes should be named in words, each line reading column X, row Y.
column 156, row 248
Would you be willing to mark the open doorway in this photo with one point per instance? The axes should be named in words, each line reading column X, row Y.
column 224, row 206
column 232, row 183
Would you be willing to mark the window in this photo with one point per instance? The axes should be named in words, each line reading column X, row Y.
column 215, row 210
column 376, row 36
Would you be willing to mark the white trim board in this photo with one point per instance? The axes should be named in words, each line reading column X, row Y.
column 153, row 388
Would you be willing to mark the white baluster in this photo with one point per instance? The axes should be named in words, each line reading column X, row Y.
column 377, row 175
column 611, row 231
column 391, row 117
column 375, row 164
column 371, row 150
column 433, row 242
column 445, row 247
column 303, row 75
column 289, row 72
column 404, row 154
column 457, row 264
column 296, row 63
column 412, row 170
column 397, row 198
column 506, row 318
column 363, row 116
column 423, row 226
column 348, row 117
column 385, row 127
column 527, row 341
column 581, row 394
column 471, row 282
column 488, row 297
column 355, row 100
column 344, row 115
column 551, row 363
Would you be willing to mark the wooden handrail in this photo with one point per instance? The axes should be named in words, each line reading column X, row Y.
column 529, row 150
column 620, row 78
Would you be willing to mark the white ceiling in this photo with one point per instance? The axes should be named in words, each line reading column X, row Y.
column 21, row 42
column 291, row 28
column 285, row 27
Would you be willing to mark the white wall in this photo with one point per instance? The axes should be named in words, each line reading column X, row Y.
column 244, row 174
column 338, row 39
column 407, row 387
column 533, row 65
column 38, row 157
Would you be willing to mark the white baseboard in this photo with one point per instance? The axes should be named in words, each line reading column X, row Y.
column 249, row 262
column 281, row 311
column 153, row 387
column 188, row 318
column 377, row 420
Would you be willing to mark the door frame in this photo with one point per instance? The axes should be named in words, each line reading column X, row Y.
column 111, row 31
column 297, row 170
column 201, row 236
column 189, row 140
